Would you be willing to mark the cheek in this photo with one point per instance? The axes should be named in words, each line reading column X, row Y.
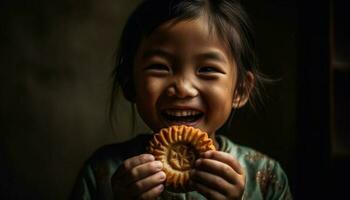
column 149, row 90
column 148, row 93
column 222, row 101
column 219, row 94
column 219, row 103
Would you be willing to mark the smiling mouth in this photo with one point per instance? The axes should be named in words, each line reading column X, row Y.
column 182, row 116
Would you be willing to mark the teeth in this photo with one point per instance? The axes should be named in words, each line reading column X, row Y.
column 182, row 113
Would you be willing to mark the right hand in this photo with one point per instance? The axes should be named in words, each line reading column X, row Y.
column 139, row 177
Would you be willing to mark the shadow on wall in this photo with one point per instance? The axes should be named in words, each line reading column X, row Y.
column 56, row 59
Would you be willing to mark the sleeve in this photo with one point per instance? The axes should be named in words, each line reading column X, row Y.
column 277, row 186
column 85, row 186
column 94, row 180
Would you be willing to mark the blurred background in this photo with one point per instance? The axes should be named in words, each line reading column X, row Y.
column 56, row 59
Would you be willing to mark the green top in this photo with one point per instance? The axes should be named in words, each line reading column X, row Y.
column 265, row 178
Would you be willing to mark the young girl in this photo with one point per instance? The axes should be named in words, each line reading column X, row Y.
column 185, row 62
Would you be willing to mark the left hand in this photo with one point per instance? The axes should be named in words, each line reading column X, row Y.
column 217, row 175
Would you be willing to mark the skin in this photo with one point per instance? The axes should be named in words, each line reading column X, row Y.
column 181, row 66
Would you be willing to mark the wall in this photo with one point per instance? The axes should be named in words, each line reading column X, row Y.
column 56, row 59
column 271, row 127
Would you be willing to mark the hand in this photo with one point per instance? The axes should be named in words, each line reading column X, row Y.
column 139, row 177
column 217, row 175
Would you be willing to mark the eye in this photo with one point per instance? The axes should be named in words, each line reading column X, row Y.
column 210, row 72
column 157, row 67
column 208, row 69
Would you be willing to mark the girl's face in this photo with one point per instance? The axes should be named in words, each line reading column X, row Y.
column 184, row 75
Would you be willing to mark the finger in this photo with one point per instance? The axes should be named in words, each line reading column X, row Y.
column 152, row 193
column 144, row 170
column 137, row 160
column 146, row 184
column 206, row 191
column 132, row 162
column 225, row 158
column 211, row 181
column 218, row 168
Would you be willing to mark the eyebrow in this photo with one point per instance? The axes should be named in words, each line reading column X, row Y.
column 156, row 52
column 212, row 55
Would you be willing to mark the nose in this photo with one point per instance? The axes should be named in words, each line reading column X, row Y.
column 182, row 87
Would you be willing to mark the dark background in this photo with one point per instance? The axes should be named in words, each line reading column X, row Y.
column 56, row 58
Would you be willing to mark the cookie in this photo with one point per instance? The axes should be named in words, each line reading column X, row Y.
column 178, row 147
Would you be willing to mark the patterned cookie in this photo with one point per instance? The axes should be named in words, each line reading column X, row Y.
column 178, row 147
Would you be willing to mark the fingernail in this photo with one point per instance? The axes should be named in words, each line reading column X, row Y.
column 161, row 187
column 162, row 175
column 149, row 157
column 198, row 162
column 207, row 153
column 159, row 165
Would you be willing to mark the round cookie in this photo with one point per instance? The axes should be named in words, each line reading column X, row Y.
column 178, row 147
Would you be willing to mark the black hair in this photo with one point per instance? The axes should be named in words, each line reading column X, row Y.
column 226, row 17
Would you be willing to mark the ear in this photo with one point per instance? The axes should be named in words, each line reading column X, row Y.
column 240, row 100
